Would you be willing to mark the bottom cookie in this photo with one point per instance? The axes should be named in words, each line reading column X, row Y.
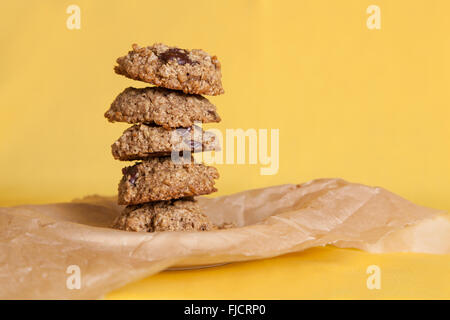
column 173, row 215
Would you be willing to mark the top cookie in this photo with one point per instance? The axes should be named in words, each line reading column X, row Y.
column 192, row 71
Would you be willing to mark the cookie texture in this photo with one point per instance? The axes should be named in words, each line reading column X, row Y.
column 162, row 179
column 160, row 106
column 192, row 71
column 172, row 215
column 143, row 141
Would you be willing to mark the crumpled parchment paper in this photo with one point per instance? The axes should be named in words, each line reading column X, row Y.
column 39, row 242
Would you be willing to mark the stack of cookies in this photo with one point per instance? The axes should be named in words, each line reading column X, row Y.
column 159, row 192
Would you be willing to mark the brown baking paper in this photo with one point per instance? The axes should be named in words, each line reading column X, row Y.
column 39, row 242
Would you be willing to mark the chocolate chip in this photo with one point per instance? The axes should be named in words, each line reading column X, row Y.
column 180, row 55
column 133, row 180
column 132, row 173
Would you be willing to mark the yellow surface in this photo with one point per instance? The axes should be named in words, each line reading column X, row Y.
column 370, row 106
column 319, row 273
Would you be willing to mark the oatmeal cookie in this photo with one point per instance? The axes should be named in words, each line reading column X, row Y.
column 160, row 106
column 192, row 71
column 172, row 215
column 142, row 141
column 162, row 179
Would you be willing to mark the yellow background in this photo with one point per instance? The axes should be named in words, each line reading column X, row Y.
column 369, row 106
column 319, row 273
